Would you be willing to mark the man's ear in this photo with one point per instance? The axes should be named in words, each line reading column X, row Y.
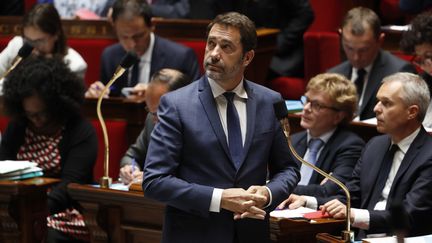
column 413, row 111
column 248, row 57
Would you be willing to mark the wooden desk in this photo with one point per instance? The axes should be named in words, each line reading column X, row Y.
column 127, row 216
column 119, row 216
column 23, row 209
column 133, row 112
column 364, row 130
column 302, row 231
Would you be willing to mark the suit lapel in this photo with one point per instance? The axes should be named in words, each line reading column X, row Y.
column 372, row 171
column 210, row 108
column 251, row 109
column 410, row 155
column 372, row 83
column 158, row 57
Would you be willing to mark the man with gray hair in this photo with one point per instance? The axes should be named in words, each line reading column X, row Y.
column 367, row 64
column 395, row 167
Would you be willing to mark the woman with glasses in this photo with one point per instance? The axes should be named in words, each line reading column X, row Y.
column 43, row 98
column 42, row 29
column 329, row 104
column 418, row 42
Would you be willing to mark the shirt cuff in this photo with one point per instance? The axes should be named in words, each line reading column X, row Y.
column 270, row 197
column 361, row 218
column 311, row 202
column 216, row 200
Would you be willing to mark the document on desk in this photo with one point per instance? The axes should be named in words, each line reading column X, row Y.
column 291, row 213
column 8, row 166
column 393, row 239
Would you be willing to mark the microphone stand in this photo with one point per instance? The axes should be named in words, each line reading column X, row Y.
column 282, row 114
column 127, row 61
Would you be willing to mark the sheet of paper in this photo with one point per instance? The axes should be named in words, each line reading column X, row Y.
column 291, row 213
column 7, row 166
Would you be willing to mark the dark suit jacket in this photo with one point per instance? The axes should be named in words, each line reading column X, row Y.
column 338, row 156
column 166, row 54
column 412, row 184
column 188, row 157
column 385, row 64
column 138, row 150
column 292, row 18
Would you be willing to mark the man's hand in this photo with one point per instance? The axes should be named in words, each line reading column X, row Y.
column 293, row 201
column 95, row 90
column 260, row 190
column 128, row 177
column 138, row 92
column 239, row 201
column 336, row 209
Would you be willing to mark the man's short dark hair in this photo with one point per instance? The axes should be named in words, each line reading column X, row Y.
column 132, row 8
column 246, row 27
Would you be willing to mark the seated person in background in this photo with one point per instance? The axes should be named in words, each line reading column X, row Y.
column 43, row 99
column 418, row 42
column 42, row 28
column 132, row 23
column 330, row 103
column 367, row 64
column 292, row 18
column 69, row 9
column 170, row 8
column 395, row 167
column 163, row 81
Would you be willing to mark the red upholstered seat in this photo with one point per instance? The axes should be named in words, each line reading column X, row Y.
column 328, row 14
column 4, row 120
column 199, row 48
column 91, row 51
column 4, row 40
column 117, row 147
column 322, row 51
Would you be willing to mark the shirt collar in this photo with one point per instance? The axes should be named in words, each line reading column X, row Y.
column 367, row 69
column 217, row 90
column 324, row 137
column 405, row 143
column 146, row 57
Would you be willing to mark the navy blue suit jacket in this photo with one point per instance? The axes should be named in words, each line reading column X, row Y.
column 188, row 157
column 412, row 184
column 166, row 54
column 338, row 156
column 384, row 65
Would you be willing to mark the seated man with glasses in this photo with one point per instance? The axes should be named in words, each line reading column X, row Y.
column 163, row 81
column 329, row 104
column 418, row 42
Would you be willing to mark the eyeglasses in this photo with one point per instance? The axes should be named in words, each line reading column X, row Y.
column 423, row 60
column 36, row 115
column 315, row 105
column 37, row 42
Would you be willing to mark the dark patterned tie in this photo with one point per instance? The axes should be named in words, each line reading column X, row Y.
column 359, row 82
column 234, row 132
column 382, row 176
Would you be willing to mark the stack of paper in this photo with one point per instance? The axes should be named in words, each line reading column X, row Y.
column 294, row 106
column 16, row 170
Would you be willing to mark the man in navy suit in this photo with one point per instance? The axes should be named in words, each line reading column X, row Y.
column 219, row 182
column 329, row 103
column 132, row 23
column 403, row 99
column 367, row 64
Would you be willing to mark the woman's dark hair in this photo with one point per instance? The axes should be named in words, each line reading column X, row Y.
column 419, row 33
column 46, row 18
column 60, row 89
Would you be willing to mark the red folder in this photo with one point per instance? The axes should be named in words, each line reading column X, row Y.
column 316, row 215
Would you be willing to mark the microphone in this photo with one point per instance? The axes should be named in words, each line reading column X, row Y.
column 23, row 52
column 399, row 220
column 127, row 61
column 282, row 115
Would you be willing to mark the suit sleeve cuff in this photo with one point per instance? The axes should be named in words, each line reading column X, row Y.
column 311, row 202
column 216, row 200
column 361, row 218
column 270, row 197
